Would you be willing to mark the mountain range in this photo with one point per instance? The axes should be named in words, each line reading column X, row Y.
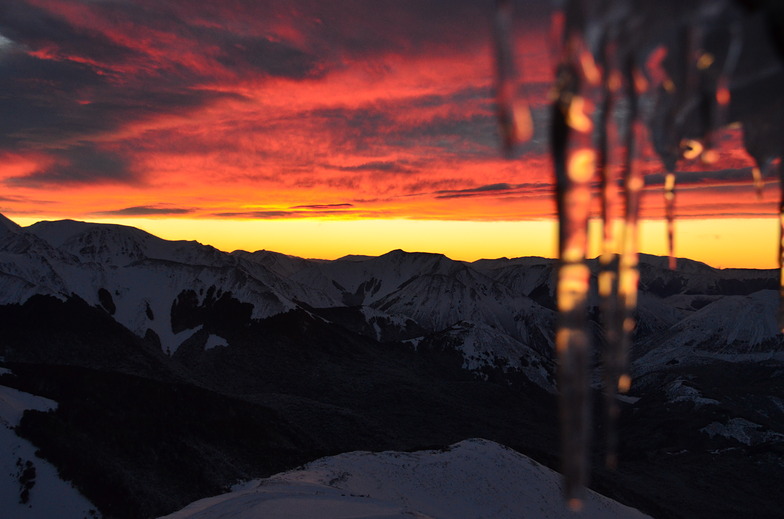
column 179, row 369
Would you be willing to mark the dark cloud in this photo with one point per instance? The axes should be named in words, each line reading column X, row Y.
column 39, row 101
column 493, row 190
column 384, row 166
column 361, row 29
column 322, row 206
column 297, row 211
column 47, row 102
column 38, row 29
column 88, row 84
column 482, row 189
column 272, row 58
column 270, row 215
column 703, row 178
column 144, row 210
column 368, row 128
column 84, row 163
column 259, row 215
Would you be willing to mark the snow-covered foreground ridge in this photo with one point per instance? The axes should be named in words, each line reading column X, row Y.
column 30, row 487
column 473, row 479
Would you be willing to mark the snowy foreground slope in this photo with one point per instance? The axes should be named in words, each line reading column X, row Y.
column 47, row 496
column 473, row 479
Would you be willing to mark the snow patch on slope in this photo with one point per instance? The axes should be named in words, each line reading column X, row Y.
column 483, row 346
column 214, row 341
column 47, row 495
column 679, row 391
column 474, row 479
column 733, row 328
column 744, row 431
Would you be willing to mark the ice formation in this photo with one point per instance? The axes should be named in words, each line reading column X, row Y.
column 662, row 72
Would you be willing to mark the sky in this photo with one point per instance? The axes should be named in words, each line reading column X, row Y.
column 312, row 128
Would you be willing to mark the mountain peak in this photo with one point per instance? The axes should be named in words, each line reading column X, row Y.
column 58, row 232
column 8, row 226
column 400, row 253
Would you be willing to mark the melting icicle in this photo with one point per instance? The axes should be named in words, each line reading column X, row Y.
column 628, row 270
column 669, row 209
column 574, row 168
column 781, row 235
column 607, row 278
column 702, row 81
column 575, row 162
column 514, row 116
column 759, row 183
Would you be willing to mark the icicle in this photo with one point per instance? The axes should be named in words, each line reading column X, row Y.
column 607, row 136
column 692, row 58
column 781, row 244
column 575, row 161
column 669, row 209
column 514, row 116
column 628, row 271
column 759, row 183
column 607, row 278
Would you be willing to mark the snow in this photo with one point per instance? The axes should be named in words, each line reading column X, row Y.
column 13, row 404
column 139, row 270
column 214, row 341
column 50, row 496
column 474, row 479
column 732, row 328
column 679, row 391
column 742, row 430
column 484, row 346
column 366, row 281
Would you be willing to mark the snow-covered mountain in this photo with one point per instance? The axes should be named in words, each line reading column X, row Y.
column 473, row 479
column 146, row 283
column 733, row 327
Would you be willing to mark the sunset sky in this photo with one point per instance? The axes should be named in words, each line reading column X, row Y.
column 311, row 128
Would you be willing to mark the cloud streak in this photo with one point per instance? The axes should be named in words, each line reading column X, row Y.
column 146, row 210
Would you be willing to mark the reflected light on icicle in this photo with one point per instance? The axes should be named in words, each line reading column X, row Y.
column 577, row 118
column 691, row 149
column 513, row 114
column 669, row 209
column 781, row 246
column 759, row 183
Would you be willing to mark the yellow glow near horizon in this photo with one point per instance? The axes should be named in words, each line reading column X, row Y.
column 330, row 239
column 719, row 242
column 722, row 242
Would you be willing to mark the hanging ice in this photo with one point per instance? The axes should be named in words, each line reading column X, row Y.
column 675, row 71
column 514, row 116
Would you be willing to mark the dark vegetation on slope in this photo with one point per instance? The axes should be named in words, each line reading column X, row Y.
column 671, row 469
column 137, row 447
column 139, row 439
